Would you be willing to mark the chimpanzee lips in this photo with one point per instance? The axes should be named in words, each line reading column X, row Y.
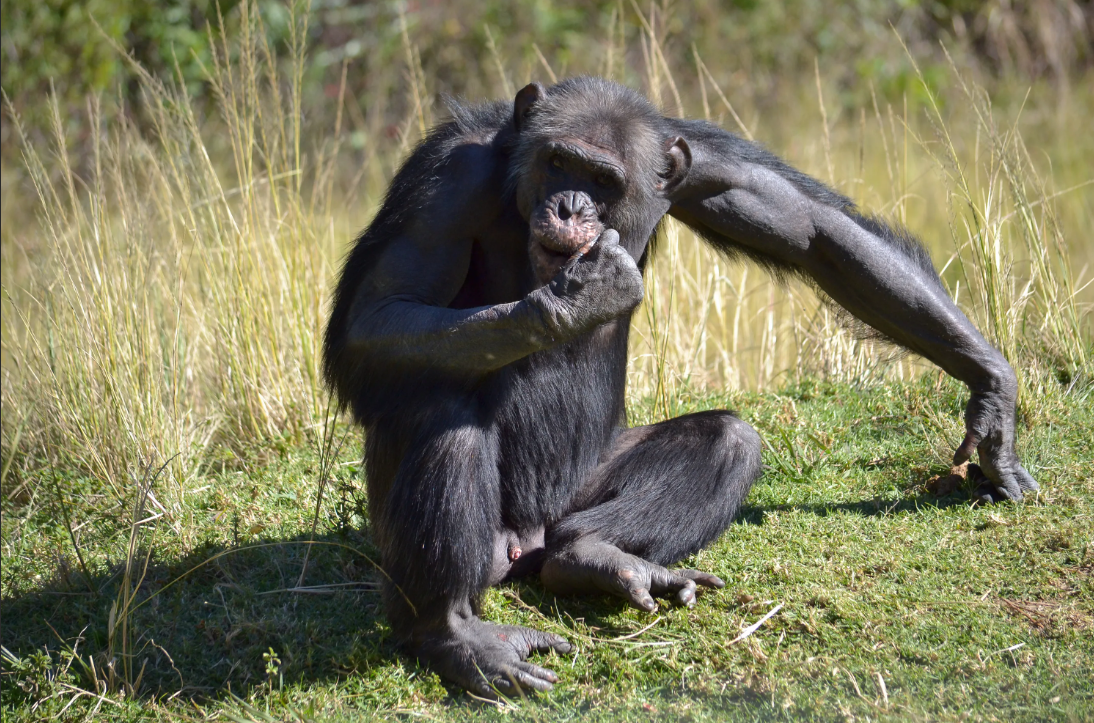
column 551, row 253
column 565, row 237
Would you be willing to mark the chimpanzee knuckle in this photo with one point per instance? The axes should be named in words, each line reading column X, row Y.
column 1026, row 481
column 662, row 578
column 629, row 583
column 608, row 238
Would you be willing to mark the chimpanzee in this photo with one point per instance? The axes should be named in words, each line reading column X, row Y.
column 479, row 334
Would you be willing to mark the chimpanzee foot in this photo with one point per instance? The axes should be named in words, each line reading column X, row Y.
column 487, row 659
column 587, row 566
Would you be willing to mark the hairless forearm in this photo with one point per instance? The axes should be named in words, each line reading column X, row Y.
column 410, row 334
column 887, row 290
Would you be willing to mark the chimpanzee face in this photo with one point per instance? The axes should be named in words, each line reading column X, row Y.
column 567, row 192
column 590, row 156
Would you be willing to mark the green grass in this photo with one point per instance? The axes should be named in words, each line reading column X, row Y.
column 979, row 613
column 164, row 288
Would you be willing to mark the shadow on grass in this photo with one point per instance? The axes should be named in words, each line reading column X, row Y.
column 877, row 507
column 201, row 624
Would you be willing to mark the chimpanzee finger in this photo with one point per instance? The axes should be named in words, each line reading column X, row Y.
column 1004, row 486
column 1026, row 481
column 987, row 494
column 539, row 672
column 503, row 684
column 968, row 446
column 520, row 680
column 686, row 595
column 702, row 578
column 609, row 237
column 591, row 249
column 541, row 642
column 640, row 598
column 525, row 641
column 666, row 582
column 483, row 688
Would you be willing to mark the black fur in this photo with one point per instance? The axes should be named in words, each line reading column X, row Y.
column 488, row 419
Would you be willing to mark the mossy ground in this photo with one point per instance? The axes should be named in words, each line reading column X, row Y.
column 896, row 604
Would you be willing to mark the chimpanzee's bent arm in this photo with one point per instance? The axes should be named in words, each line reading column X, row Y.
column 390, row 308
column 738, row 195
column 390, row 326
column 415, row 335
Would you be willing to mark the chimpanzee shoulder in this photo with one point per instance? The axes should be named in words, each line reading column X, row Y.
column 473, row 142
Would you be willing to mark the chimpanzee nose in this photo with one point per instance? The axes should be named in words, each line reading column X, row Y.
column 572, row 204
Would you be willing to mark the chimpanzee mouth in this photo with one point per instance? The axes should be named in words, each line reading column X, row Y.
column 553, row 253
column 552, row 246
column 547, row 260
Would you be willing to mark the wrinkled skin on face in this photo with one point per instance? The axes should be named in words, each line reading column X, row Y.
column 563, row 198
column 579, row 172
column 565, row 225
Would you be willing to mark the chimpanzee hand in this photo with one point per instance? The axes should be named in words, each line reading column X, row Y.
column 593, row 287
column 586, row 566
column 989, row 419
column 486, row 658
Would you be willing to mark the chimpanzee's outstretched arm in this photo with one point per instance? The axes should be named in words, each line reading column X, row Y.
column 736, row 194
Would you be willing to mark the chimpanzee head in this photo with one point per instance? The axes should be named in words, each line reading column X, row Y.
column 591, row 154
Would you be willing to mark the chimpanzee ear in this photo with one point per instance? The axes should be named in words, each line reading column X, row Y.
column 677, row 165
column 527, row 97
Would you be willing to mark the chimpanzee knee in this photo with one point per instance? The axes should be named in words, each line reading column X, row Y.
column 669, row 489
column 741, row 442
column 721, row 475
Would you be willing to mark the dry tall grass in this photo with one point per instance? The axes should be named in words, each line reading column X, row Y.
column 181, row 301
column 177, row 298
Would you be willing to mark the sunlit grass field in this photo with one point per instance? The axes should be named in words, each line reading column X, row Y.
column 182, row 505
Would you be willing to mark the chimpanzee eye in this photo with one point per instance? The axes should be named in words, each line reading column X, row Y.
column 556, row 160
column 604, row 180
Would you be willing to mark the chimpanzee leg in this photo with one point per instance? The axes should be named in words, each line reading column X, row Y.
column 437, row 515
column 664, row 492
